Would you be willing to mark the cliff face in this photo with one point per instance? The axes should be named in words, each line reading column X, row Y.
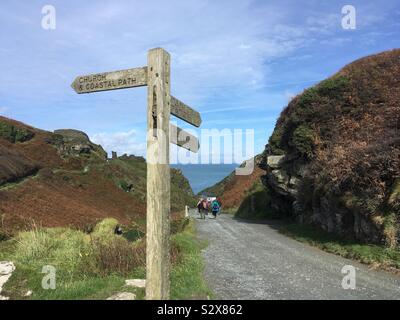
column 334, row 157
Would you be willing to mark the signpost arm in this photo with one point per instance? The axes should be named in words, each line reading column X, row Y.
column 158, row 175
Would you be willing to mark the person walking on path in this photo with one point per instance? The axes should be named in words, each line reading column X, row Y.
column 200, row 205
column 203, row 208
column 215, row 206
column 220, row 205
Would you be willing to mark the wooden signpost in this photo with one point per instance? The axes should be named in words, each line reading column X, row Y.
column 160, row 104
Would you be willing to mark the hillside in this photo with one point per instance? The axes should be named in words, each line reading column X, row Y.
column 62, row 178
column 333, row 159
column 234, row 189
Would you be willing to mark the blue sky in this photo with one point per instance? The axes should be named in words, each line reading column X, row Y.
column 237, row 62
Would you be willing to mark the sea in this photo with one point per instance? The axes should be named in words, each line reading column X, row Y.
column 202, row 176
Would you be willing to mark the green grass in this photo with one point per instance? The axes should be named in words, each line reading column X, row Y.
column 79, row 276
column 381, row 256
column 187, row 280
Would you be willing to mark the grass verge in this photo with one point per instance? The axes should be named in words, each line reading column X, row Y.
column 96, row 265
column 374, row 255
column 187, row 280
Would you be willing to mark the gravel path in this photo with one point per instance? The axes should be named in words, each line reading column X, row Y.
column 254, row 261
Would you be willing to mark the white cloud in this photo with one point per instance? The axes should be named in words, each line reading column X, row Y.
column 121, row 142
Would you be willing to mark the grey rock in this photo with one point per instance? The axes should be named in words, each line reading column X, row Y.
column 274, row 162
column 6, row 270
column 138, row 283
column 281, row 176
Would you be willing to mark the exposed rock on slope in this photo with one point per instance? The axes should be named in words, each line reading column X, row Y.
column 75, row 143
column 334, row 156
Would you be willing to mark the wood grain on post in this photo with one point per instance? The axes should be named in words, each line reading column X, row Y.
column 158, row 176
column 184, row 112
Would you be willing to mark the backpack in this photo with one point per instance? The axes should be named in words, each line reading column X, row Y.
column 215, row 206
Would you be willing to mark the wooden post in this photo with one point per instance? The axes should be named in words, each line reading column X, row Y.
column 156, row 75
column 158, row 175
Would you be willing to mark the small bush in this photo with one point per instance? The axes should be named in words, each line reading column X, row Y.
column 105, row 230
column 13, row 134
column 307, row 98
column 133, row 235
column 125, row 186
column 333, row 87
column 303, row 139
column 6, row 131
column 118, row 256
column 275, row 141
column 178, row 225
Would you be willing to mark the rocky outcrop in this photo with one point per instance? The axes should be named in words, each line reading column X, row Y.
column 71, row 142
column 333, row 159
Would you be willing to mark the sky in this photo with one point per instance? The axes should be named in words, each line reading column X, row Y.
column 237, row 62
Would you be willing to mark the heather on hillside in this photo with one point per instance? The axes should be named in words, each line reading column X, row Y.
column 341, row 146
column 61, row 178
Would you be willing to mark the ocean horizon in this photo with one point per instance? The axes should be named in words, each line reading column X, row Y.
column 202, row 176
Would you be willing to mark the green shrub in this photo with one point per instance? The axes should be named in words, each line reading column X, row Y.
column 178, row 225
column 303, row 139
column 6, row 131
column 309, row 96
column 105, row 229
column 125, row 186
column 22, row 135
column 333, row 87
column 13, row 134
column 275, row 141
column 133, row 235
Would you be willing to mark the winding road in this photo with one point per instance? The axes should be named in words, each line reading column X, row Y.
column 246, row 260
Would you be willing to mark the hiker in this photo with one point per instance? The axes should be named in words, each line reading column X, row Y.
column 220, row 205
column 202, row 207
column 199, row 205
column 215, row 208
